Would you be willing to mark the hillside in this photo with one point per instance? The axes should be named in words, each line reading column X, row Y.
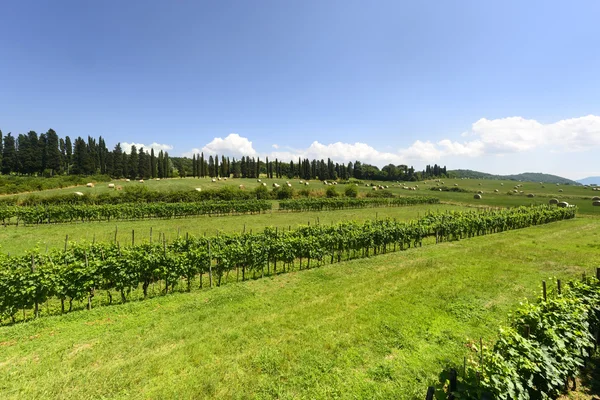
column 526, row 176
column 590, row 180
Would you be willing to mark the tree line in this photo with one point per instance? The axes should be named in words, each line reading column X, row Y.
column 47, row 154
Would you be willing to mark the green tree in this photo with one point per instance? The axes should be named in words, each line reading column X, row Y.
column 132, row 170
column 53, row 153
column 10, row 162
column 80, row 157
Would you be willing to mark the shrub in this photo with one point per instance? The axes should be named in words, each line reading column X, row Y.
column 351, row 191
column 331, row 192
column 262, row 193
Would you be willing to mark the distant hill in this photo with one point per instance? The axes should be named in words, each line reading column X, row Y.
column 526, row 176
column 590, row 180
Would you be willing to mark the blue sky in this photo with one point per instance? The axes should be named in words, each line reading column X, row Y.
column 503, row 87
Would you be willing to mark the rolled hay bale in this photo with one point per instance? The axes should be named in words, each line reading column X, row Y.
column 530, row 195
column 387, row 187
column 480, row 192
column 275, row 185
column 198, row 189
column 242, row 187
column 78, row 194
column 563, row 204
column 560, row 190
column 356, row 184
column 141, row 181
column 301, row 182
column 477, row 196
column 502, row 184
column 479, row 184
column 366, row 185
column 306, row 184
column 595, row 198
column 289, row 185
column 89, row 184
column 213, row 180
column 219, row 178
column 264, row 184
column 496, row 190
column 258, row 180
column 127, row 180
column 374, row 188
column 224, row 179
column 111, row 185
column 515, row 191
column 553, row 201
column 440, row 190
column 558, row 184
column 157, row 179
column 335, row 183
column 324, row 182
column 596, row 203
column 456, row 184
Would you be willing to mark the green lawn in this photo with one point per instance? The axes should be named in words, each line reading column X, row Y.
column 381, row 327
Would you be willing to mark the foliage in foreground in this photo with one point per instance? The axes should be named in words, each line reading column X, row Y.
column 76, row 273
column 544, row 346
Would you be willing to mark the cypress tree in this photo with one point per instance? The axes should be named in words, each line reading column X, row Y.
column 132, row 168
column 10, row 162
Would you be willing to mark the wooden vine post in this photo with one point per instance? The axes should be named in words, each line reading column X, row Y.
column 209, row 266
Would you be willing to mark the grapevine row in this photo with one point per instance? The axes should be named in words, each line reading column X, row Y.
column 320, row 204
column 78, row 272
column 30, row 215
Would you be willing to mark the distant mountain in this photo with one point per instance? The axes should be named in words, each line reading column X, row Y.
column 526, row 176
column 592, row 180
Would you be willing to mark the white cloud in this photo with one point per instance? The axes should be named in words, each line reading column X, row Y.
column 516, row 134
column 232, row 145
column 156, row 146
column 500, row 137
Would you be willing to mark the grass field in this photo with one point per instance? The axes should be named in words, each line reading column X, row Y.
column 376, row 328
column 577, row 195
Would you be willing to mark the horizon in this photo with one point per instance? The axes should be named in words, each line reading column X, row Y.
column 491, row 88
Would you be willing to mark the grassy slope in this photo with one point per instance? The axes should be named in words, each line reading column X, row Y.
column 375, row 328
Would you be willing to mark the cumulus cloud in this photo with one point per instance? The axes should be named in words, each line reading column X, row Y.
column 503, row 136
column 232, row 145
column 517, row 134
column 156, row 146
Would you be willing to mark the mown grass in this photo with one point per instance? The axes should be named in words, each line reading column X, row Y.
column 17, row 239
column 578, row 195
column 381, row 327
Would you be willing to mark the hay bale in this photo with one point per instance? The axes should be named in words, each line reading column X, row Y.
column 374, row 188
column 530, row 195
column 219, row 178
column 553, row 201
column 111, row 185
column 258, row 180
column 198, row 189
column 305, row 183
column 78, row 194
column 560, row 190
column 496, row 190
column 456, row 184
column 515, row 191
column 213, row 180
column 477, row 196
column 595, row 198
column 479, row 192
column 440, row 190
column 157, row 179
column 289, row 185
column 264, row 184
column 563, row 204
column 502, row 184
column 89, row 184
column 596, row 203
column 242, row 187
column 224, row 179
column 127, row 180
column 301, row 182
column 141, row 181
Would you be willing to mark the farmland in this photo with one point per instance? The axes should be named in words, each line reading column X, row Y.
column 375, row 327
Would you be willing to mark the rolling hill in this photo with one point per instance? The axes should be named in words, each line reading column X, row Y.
column 526, row 176
column 590, row 180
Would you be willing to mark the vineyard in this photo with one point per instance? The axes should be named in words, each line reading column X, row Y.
column 52, row 214
column 78, row 272
column 326, row 204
